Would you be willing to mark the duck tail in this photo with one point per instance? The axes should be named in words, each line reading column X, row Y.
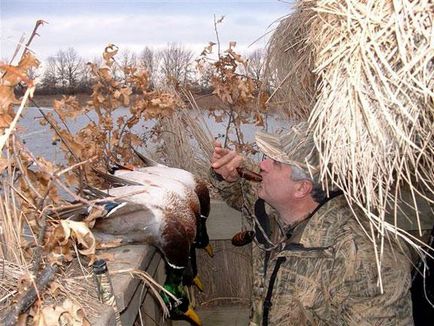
column 117, row 166
column 82, row 212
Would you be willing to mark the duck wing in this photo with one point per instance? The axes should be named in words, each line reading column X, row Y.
column 146, row 160
column 115, row 180
column 182, row 182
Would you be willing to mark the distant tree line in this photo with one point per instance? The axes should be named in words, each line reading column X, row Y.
column 67, row 72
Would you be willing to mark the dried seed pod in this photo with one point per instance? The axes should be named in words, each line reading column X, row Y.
column 242, row 238
column 249, row 175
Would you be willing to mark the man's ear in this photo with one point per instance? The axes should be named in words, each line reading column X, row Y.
column 303, row 189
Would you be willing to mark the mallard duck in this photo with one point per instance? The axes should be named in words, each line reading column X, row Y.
column 164, row 212
column 201, row 241
column 145, row 208
column 199, row 186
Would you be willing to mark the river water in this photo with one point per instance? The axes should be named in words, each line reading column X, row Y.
column 38, row 138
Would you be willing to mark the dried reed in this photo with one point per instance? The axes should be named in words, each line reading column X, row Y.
column 290, row 63
column 188, row 143
column 373, row 110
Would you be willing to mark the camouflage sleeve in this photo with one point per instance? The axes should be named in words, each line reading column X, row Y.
column 235, row 194
column 356, row 292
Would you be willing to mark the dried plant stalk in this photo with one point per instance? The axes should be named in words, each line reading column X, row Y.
column 370, row 65
column 188, row 143
column 373, row 116
column 290, row 64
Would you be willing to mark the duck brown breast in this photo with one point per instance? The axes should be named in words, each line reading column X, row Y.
column 179, row 231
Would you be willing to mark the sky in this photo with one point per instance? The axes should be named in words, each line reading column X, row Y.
column 89, row 25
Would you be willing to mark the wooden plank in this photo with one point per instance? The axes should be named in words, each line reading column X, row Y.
column 223, row 222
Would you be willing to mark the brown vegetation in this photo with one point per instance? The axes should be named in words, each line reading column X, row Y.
column 30, row 184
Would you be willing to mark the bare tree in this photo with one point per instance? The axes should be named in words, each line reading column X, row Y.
column 128, row 60
column 49, row 76
column 256, row 64
column 85, row 82
column 176, row 62
column 68, row 68
column 204, row 76
column 150, row 60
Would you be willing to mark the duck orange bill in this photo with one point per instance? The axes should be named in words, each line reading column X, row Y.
column 193, row 317
column 209, row 250
column 198, row 283
column 249, row 175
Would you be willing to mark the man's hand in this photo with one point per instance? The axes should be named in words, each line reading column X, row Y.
column 225, row 162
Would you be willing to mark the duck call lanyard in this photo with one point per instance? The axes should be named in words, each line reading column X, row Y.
column 267, row 302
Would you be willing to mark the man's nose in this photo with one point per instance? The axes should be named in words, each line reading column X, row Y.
column 264, row 164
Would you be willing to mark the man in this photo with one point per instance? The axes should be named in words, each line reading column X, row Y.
column 324, row 271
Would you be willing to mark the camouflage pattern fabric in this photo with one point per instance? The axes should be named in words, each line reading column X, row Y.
column 236, row 195
column 330, row 275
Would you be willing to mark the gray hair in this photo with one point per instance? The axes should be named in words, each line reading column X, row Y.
column 317, row 193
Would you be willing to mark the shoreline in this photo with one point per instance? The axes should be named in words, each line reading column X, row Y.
column 205, row 102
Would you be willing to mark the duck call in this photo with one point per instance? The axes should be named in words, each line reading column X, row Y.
column 249, row 175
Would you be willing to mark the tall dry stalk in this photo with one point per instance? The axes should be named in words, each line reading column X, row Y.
column 370, row 65
column 12, row 222
column 373, row 116
column 187, row 142
column 290, row 63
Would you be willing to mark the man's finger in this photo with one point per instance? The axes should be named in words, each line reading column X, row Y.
column 224, row 160
column 222, row 151
column 215, row 157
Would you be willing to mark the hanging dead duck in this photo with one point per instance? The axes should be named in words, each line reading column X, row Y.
column 164, row 213
column 147, row 210
column 200, row 188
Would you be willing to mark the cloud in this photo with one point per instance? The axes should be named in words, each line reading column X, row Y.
column 89, row 31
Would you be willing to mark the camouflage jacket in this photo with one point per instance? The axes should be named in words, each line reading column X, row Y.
column 328, row 273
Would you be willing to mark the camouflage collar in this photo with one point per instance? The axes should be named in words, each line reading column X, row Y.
column 295, row 232
column 318, row 231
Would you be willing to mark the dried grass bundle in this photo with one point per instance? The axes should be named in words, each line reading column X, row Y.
column 11, row 226
column 290, row 64
column 373, row 111
column 12, row 273
column 373, row 116
column 188, row 143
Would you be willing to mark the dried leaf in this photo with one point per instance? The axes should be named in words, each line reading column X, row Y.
column 67, row 314
column 68, row 108
column 109, row 52
column 46, row 165
column 82, row 235
column 7, row 97
column 28, row 60
column 3, row 164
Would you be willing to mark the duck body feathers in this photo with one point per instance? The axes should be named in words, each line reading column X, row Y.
column 166, row 215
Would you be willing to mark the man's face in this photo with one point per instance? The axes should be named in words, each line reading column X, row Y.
column 277, row 187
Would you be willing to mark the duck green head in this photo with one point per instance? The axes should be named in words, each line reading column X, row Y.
column 181, row 310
